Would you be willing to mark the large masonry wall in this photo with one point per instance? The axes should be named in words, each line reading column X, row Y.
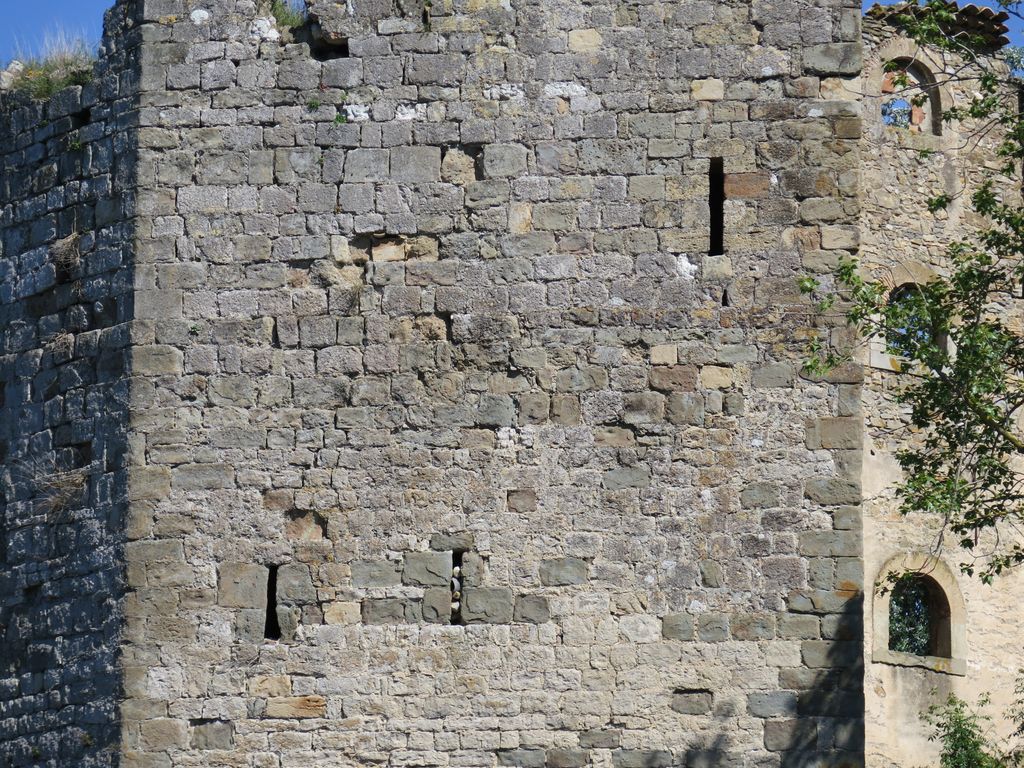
column 439, row 294
column 66, row 171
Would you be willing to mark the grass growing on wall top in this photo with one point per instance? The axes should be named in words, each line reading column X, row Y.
column 63, row 60
column 289, row 13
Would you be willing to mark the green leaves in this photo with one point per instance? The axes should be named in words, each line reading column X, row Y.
column 957, row 349
column 966, row 735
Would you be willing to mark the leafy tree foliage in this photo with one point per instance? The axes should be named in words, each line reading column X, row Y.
column 967, row 738
column 910, row 617
column 962, row 363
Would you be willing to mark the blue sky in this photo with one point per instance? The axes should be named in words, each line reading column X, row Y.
column 27, row 24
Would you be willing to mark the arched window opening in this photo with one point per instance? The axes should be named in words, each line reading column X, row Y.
column 919, row 617
column 910, row 98
column 914, row 325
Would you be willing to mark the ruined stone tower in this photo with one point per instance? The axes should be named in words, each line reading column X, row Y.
column 297, row 326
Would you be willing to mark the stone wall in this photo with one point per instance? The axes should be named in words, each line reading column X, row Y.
column 902, row 241
column 66, row 175
column 437, row 291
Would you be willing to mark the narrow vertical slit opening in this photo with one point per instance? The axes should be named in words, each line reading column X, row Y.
column 726, row 302
column 272, row 629
column 716, row 202
column 456, row 585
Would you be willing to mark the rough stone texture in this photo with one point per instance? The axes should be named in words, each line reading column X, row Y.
column 68, row 224
column 449, row 290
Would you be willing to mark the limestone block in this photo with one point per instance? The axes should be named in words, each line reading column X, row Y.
column 626, row 477
column 242, row 585
column 437, row 605
column 711, row 89
column 641, row 758
column 522, row 501
column 455, row 542
column 697, row 702
column 390, row 610
column 568, row 758
column 522, row 758
column 163, row 733
column 761, row 496
column 531, row 609
column 716, row 377
column 295, row 584
column 416, row 164
column 685, row 408
column 563, row 571
column 585, row 40
column 833, row 59
column 774, row 375
column 342, row 613
column 677, row 626
column 679, row 378
column 215, row 734
column 713, row 628
column 427, row 569
column 487, row 605
column 296, row 707
column 156, row 360
column 375, row 573
column 265, row 686
column 664, row 354
column 504, row 160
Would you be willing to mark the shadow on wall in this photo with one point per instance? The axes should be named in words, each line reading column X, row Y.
column 65, row 300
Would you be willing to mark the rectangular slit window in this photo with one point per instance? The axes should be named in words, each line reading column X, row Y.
column 456, row 587
column 716, row 202
column 272, row 629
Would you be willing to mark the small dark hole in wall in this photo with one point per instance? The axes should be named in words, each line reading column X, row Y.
column 81, row 119
column 716, row 202
column 272, row 629
column 726, row 301
column 321, row 50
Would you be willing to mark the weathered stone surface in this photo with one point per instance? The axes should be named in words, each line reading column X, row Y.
column 531, row 609
column 427, row 569
column 297, row 707
column 487, row 605
column 242, row 585
column 563, row 571
column 696, row 702
column 215, row 734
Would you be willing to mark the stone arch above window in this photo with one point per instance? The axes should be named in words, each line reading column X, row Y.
column 910, row 97
column 919, row 616
column 904, row 279
column 880, row 88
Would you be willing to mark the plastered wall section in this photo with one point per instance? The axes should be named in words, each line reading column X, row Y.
column 901, row 237
column 66, row 177
column 445, row 296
